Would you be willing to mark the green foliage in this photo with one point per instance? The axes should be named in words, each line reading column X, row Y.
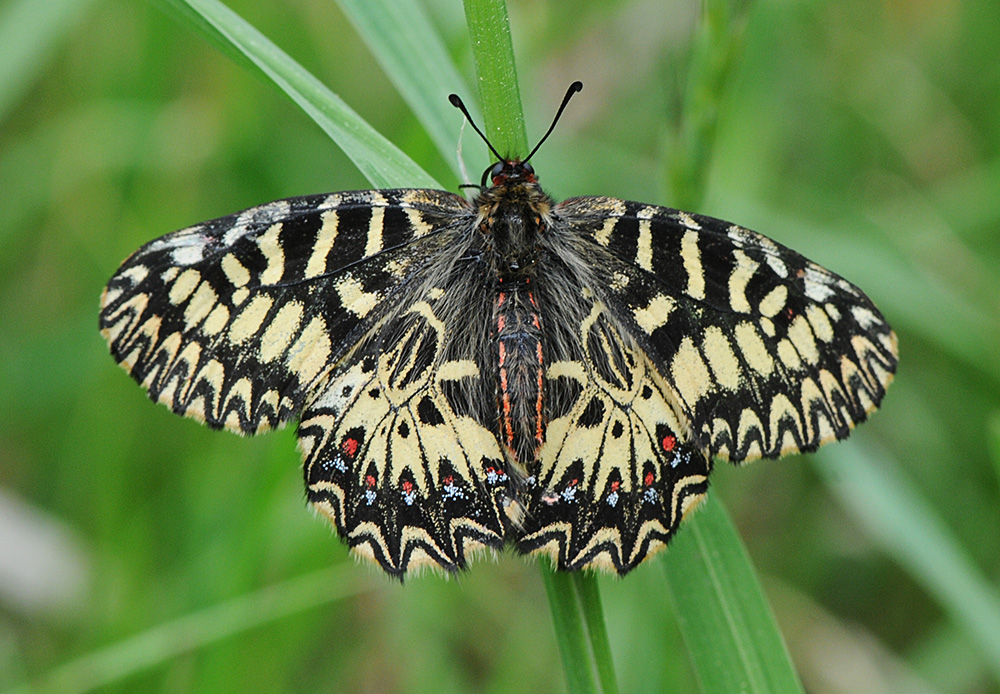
column 864, row 135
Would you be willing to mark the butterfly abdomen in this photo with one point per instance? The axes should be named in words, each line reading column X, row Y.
column 520, row 362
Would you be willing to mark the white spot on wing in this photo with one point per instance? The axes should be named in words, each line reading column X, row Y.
column 603, row 235
column 250, row 319
column 374, row 241
column 187, row 255
column 773, row 301
column 753, row 349
column 280, row 330
column 816, row 284
column 325, row 239
column 456, row 370
column 690, row 373
column 234, row 270
column 184, row 285
column 203, row 301
column 688, row 221
column 865, row 318
column 819, row 322
column 216, row 320
column 778, row 265
column 354, row 298
column 307, row 357
column 644, row 246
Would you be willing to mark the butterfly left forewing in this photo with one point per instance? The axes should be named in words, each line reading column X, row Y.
column 234, row 321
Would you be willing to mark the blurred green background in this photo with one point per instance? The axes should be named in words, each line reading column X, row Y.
column 134, row 545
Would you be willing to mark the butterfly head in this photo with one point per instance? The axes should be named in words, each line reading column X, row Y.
column 509, row 172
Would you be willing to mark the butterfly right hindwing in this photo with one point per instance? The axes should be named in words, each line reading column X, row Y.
column 619, row 467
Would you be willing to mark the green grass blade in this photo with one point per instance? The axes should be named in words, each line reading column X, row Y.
column 579, row 625
column 29, row 31
column 717, row 48
column 574, row 600
column 896, row 515
column 732, row 637
column 499, row 95
column 413, row 55
column 199, row 629
column 379, row 160
column 590, row 604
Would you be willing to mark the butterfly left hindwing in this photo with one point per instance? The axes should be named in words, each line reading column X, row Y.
column 399, row 451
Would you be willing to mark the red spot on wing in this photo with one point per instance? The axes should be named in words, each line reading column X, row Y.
column 669, row 443
column 407, row 486
column 369, row 480
column 350, row 447
column 649, row 479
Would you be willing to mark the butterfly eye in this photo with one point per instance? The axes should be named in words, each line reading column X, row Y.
column 491, row 173
column 528, row 168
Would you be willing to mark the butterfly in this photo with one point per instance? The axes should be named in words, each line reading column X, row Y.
column 467, row 374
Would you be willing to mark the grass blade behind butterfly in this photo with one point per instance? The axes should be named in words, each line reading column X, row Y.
column 382, row 163
column 413, row 55
column 727, row 624
column 731, row 635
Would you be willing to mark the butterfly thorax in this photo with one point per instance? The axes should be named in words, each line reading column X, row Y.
column 514, row 213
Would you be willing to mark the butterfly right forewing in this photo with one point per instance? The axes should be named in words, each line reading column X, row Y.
column 768, row 352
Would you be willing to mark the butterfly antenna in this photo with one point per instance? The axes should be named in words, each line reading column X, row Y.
column 573, row 89
column 456, row 101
